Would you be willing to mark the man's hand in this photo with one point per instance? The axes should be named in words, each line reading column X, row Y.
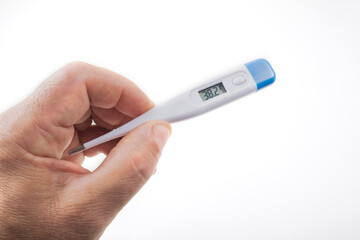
column 47, row 194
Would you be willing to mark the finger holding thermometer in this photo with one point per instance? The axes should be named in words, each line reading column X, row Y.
column 249, row 78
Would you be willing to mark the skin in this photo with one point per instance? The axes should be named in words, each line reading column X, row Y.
column 47, row 194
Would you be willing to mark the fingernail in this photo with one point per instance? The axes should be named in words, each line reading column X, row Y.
column 154, row 171
column 161, row 133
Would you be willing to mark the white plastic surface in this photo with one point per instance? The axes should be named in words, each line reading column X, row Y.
column 186, row 105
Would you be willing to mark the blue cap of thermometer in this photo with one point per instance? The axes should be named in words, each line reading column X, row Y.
column 249, row 78
column 262, row 72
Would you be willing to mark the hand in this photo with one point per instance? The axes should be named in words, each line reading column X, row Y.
column 44, row 192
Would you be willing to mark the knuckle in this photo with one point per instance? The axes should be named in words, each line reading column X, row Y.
column 76, row 65
column 141, row 166
column 71, row 70
column 145, row 161
column 155, row 148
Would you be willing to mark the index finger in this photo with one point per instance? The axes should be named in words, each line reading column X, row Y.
column 69, row 93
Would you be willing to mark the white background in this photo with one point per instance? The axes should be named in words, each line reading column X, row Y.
column 280, row 164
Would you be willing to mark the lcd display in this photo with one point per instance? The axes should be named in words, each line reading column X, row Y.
column 212, row 91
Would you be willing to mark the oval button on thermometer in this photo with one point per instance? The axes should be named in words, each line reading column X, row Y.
column 249, row 78
column 239, row 80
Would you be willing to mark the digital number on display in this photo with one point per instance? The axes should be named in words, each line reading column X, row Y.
column 212, row 91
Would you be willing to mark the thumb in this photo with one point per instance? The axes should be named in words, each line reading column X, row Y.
column 129, row 165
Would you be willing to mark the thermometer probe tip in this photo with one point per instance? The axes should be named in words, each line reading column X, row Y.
column 76, row 150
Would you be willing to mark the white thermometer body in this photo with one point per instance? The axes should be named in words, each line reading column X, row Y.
column 249, row 78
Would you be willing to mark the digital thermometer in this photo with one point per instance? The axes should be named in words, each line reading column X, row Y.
column 249, row 78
